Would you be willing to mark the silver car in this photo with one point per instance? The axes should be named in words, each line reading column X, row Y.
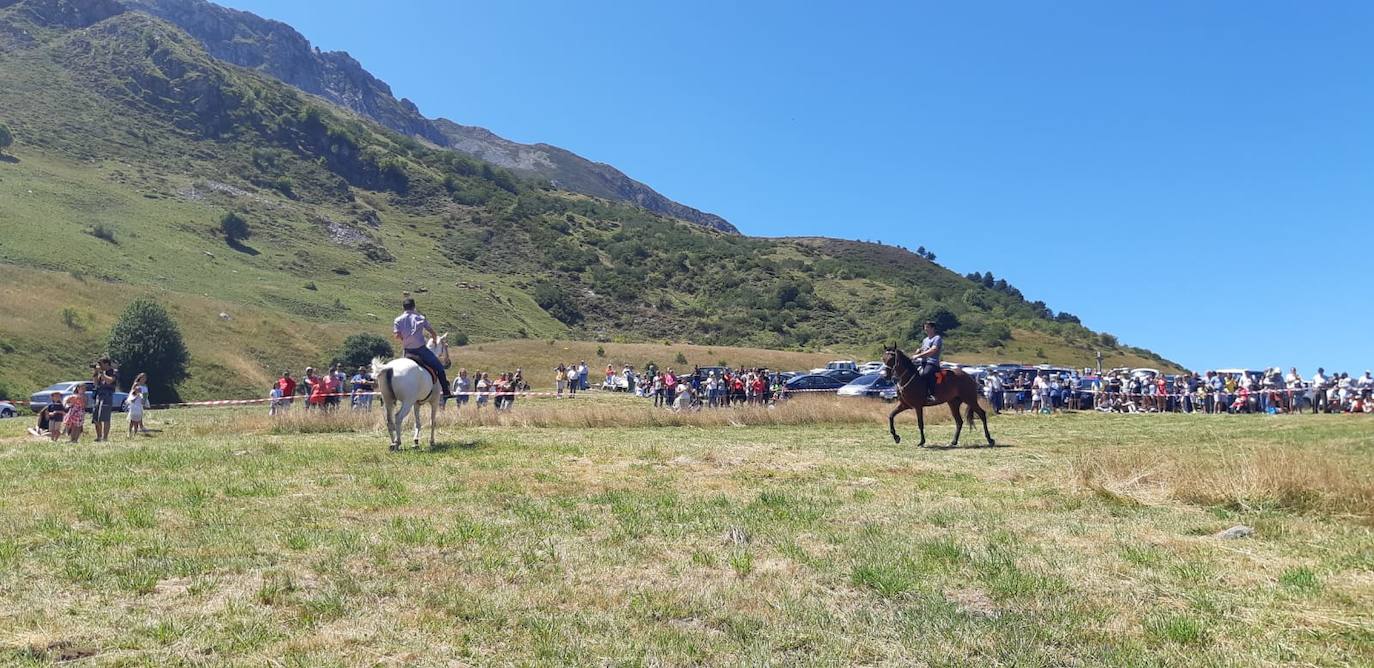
column 38, row 400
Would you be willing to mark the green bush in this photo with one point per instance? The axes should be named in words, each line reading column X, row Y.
column 234, row 227
column 359, row 349
column 147, row 340
column 552, row 298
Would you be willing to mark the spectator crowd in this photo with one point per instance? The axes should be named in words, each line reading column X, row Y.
column 1214, row 392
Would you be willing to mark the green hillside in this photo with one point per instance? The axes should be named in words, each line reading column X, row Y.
column 131, row 144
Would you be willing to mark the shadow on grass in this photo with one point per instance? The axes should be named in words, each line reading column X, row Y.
column 9, row 158
column 441, row 447
column 240, row 247
column 966, row 446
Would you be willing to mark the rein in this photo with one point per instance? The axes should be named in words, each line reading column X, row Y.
column 910, row 373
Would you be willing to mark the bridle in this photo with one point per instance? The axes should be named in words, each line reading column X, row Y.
column 890, row 371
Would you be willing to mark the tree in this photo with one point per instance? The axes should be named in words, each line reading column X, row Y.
column 147, row 340
column 921, row 251
column 234, row 227
column 988, row 280
column 359, row 349
column 6, row 137
column 944, row 320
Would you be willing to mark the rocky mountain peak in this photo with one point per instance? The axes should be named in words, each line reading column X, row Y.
column 278, row 50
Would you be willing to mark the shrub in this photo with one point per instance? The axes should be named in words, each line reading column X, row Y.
column 234, row 227
column 600, row 351
column 553, row 299
column 146, row 339
column 6, row 137
column 103, row 231
column 359, row 349
column 680, row 359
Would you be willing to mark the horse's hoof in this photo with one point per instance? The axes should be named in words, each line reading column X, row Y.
column 922, row 444
column 992, row 443
column 393, row 448
column 896, row 439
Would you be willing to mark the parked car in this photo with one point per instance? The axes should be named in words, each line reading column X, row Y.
column 870, row 367
column 842, row 375
column 869, row 385
column 7, row 410
column 39, row 399
column 813, row 381
column 850, row 365
column 705, row 372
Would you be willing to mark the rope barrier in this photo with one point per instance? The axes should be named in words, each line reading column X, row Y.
column 306, row 398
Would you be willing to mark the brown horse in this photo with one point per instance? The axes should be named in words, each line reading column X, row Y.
column 956, row 388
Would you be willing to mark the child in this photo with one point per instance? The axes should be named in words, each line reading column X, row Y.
column 50, row 418
column 76, row 415
column 275, row 402
column 134, row 405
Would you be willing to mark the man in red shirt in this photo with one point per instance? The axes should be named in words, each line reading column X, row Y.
column 287, row 385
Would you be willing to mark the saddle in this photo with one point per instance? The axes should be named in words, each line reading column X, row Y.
column 434, row 377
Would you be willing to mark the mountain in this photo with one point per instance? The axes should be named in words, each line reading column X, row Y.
column 132, row 143
column 278, row 50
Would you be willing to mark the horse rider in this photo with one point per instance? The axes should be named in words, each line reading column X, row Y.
column 927, row 359
column 410, row 328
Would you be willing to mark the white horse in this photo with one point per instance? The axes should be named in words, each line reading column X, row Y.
column 404, row 381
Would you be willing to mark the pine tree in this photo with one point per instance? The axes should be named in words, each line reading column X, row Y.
column 147, row 340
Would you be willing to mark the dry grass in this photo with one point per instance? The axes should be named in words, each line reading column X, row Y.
column 220, row 542
column 592, row 411
column 1245, row 478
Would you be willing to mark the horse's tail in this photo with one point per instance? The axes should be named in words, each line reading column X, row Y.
column 383, row 373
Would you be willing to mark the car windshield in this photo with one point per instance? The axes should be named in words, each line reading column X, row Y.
column 869, row 379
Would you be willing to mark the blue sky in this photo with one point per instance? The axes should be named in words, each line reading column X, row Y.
column 1195, row 177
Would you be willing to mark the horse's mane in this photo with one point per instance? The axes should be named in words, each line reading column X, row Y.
column 903, row 360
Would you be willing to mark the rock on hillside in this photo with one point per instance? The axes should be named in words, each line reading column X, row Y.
column 278, row 50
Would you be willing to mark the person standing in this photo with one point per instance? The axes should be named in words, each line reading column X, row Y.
column 1319, row 389
column 104, row 379
column 409, row 328
column 76, row 416
column 134, row 404
column 461, row 386
column 287, row 385
column 560, row 379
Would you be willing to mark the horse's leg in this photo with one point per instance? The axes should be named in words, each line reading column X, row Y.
column 401, row 421
column 921, row 423
column 892, row 422
column 974, row 407
column 393, row 435
column 958, row 421
column 433, row 408
column 418, row 426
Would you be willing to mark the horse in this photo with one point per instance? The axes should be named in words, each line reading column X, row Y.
column 405, row 381
column 956, row 388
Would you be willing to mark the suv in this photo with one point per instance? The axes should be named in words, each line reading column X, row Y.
column 847, row 365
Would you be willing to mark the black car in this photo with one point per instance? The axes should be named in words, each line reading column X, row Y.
column 813, row 381
column 845, row 376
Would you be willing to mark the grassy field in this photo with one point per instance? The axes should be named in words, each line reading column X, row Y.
column 567, row 534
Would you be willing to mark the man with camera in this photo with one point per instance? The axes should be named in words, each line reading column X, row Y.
column 104, row 375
